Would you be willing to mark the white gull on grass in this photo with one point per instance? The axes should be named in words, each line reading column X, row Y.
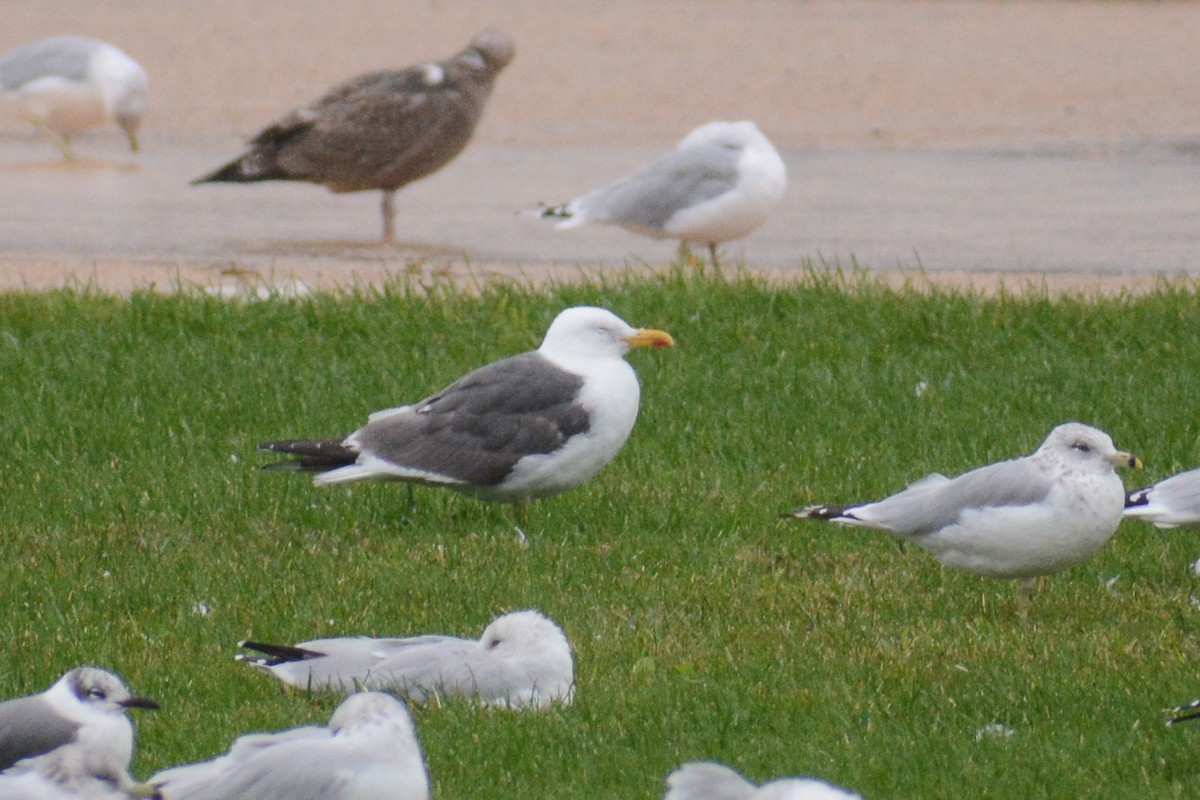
column 369, row 751
column 1021, row 518
column 703, row 780
column 1169, row 503
column 378, row 131
column 66, row 84
column 522, row 660
column 524, row 427
column 718, row 184
column 74, row 736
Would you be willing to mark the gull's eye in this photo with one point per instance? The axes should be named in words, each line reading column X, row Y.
column 493, row 644
column 97, row 694
column 1082, row 447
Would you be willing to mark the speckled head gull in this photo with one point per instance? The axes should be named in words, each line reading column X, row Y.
column 369, row 750
column 1169, row 503
column 1030, row 516
column 522, row 660
column 74, row 733
column 718, row 184
column 703, row 780
column 524, row 427
column 66, row 84
column 379, row 131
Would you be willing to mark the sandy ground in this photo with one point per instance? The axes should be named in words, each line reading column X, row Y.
column 958, row 137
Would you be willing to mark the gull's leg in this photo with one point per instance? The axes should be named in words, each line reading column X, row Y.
column 1025, row 597
column 58, row 140
column 522, row 515
column 388, row 207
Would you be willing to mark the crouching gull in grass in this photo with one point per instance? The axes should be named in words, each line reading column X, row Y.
column 1169, row 503
column 66, row 84
column 718, row 184
column 379, row 131
column 74, row 734
column 522, row 660
column 704, row 780
column 524, row 427
column 369, row 750
column 1022, row 518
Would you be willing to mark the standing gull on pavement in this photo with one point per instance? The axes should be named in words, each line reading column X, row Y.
column 1022, row 518
column 703, row 780
column 370, row 750
column 524, row 427
column 379, row 131
column 1169, row 503
column 77, row 727
column 67, row 84
column 522, row 660
column 718, row 184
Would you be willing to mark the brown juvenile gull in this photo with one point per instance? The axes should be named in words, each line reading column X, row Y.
column 522, row 660
column 66, row 84
column 524, row 427
column 381, row 130
column 1021, row 518
column 718, row 184
column 74, row 733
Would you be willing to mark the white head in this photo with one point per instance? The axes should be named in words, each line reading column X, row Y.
column 1082, row 447
column 590, row 332
column 125, row 88
column 537, row 645
column 90, row 692
column 378, row 710
column 737, row 135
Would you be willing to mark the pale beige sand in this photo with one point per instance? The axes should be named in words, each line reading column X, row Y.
column 857, row 74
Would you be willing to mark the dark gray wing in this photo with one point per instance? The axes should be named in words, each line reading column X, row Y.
column 29, row 727
column 476, row 429
column 65, row 56
column 679, row 180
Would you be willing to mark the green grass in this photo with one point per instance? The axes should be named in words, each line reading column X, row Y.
column 704, row 627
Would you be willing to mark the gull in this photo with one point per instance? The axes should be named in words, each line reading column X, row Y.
column 369, row 751
column 1022, row 518
column 67, row 84
column 1185, row 712
column 381, row 130
column 524, row 427
column 522, row 660
column 1169, row 503
column 74, row 733
column 718, row 184
column 703, row 780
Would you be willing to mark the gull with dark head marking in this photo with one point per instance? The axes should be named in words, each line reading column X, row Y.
column 704, row 780
column 522, row 660
column 1022, row 518
column 379, row 131
column 1169, row 503
column 369, row 751
column 66, row 84
column 718, row 184
column 524, row 427
column 74, row 733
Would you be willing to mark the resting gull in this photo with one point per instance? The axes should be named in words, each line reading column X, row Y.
column 66, row 84
column 1169, row 503
column 369, row 750
column 703, row 780
column 718, row 184
column 381, row 130
column 74, row 733
column 524, row 427
column 1022, row 518
column 522, row 660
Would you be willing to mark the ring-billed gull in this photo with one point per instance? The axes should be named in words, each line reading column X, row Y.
column 704, row 780
column 379, row 131
column 522, row 659
column 1171, row 502
column 524, row 427
column 718, row 184
column 66, row 84
column 75, row 732
column 1021, row 518
column 369, row 750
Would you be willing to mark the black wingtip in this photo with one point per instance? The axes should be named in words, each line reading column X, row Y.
column 230, row 173
column 1138, row 497
column 276, row 653
column 816, row 512
column 1185, row 712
